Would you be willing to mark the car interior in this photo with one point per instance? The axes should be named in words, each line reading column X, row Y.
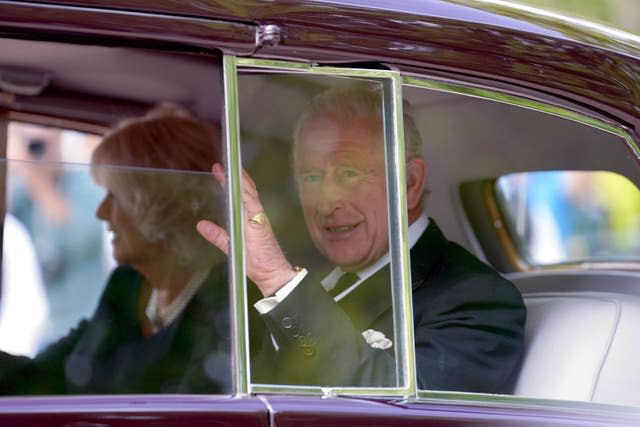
column 579, row 340
column 582, row 315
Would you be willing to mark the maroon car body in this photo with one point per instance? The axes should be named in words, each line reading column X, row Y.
column 594, row 70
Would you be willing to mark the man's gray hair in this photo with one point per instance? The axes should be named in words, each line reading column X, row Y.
column 358, row 101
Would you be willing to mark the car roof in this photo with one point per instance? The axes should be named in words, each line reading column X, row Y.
column 381, row 16
column 490, row 39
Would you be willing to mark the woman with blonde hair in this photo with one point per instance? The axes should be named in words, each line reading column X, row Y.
column 161, row 323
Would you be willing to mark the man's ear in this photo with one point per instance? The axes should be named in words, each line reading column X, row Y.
column 416, row 179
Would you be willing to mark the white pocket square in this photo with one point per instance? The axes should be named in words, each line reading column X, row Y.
column 376, row 339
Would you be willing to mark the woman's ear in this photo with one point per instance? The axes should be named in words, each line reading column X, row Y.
column 416, row 179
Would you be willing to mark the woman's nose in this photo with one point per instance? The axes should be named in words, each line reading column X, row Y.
column 104, row 208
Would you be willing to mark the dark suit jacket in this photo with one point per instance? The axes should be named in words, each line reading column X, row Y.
column 108, row 354
column 468, row 320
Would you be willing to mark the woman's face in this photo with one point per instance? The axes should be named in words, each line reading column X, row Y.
column 129, row 244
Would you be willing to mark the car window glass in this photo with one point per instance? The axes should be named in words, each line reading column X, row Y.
column 571, row 216
column 53, row 242
column 313, row 146
column 478, row 329
column 107, row 286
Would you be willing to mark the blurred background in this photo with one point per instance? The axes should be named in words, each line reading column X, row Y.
column 622, row 14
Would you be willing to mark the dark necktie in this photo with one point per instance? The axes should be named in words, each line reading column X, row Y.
column 344, row 282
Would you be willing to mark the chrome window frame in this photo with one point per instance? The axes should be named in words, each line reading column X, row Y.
column 395, row 162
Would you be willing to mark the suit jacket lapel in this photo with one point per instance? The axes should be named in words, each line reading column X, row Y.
column 205, row 315
column 426, row 253
column 369, row 300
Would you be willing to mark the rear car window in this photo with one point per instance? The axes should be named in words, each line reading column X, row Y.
column 565, row 216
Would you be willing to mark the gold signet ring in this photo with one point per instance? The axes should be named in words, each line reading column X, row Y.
column 258, row 218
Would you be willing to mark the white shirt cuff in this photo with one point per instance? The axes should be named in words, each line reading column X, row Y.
column 267, row 304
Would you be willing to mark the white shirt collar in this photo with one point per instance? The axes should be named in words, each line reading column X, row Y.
column 415, row 231
column 160, row 318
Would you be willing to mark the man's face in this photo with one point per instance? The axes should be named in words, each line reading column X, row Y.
column 340, row 171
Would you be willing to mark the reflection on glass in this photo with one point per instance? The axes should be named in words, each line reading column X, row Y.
column 160, row 323
column 572, row 216
column 317, row 158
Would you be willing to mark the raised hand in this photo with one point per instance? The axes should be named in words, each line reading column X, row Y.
column 266, row 264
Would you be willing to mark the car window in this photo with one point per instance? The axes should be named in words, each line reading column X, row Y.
column 53, row 242
column 313, row 148
column 571, row 216
column 493, row 331
column 107, row 285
